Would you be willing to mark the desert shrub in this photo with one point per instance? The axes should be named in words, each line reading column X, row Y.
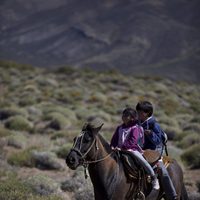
column 8, row 64
column 65, row 70
column 160, row 88
column 31, row 88
column 78, row 185
column 75, row 94
column 189, row 140
column 4, row 132
column 49, row 197
column 90, row 112
column 194, row 196
column 18, row 123
column 174, row 153
column 68, row 113
column 5, row 113
column 97, row 97
column 14, row 189
column 34, row 113
column 86, row 194
column 82, row 112
column 169, row 121
column 194, row 127
column 59, row 134
column 64, row 150
column 44, row 82
column 183, row 118
column 17, row 140
column 28, row 99
column 46, row 160
column 42, row 185
column 169, row 105
column 22, row 158
column 195, row 105
column 57, row 121
column 191, row 156
column 196, row 119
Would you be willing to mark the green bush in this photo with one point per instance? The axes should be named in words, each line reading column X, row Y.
column 194, row 127
column 17, row 140
column 57, row 121
column 28, row 99
column 4, row 132
column 14, row 189
column 68, row 113
column 7, row 64
column 191, row 156
column 189, row 140
column 42, row 184
column 18, row 123
column 97, row 97
column 22, row 158
column 170, row 106
column 64, row 150
column 5, row 113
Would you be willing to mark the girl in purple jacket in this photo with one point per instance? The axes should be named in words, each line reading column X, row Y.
column 130, row 136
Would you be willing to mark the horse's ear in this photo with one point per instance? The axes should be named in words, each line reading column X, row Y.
column 95, row 124
column 97, row 129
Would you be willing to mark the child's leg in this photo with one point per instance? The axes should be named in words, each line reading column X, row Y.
column 168, row 186
column 147, row 168
column 144, row 163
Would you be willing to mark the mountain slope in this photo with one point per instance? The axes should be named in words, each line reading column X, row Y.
column 144, row 37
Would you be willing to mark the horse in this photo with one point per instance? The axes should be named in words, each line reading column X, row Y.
column 107, row 173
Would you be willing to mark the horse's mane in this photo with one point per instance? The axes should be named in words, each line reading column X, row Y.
column 105, row 143
column 107, row 147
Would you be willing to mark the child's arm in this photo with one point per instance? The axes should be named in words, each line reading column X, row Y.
column 154, row 135
column 132, row 141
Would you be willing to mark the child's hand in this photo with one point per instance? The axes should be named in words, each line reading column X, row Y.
column 147, row 132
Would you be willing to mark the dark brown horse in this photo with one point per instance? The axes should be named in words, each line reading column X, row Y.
column 106, row 169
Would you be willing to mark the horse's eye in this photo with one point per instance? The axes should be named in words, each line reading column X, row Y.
column 87, row 138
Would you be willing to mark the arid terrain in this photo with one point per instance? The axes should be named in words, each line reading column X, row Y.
column 41, row 111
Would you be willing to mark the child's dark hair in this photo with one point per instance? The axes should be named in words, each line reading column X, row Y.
column 145, row 106
column 130, row 112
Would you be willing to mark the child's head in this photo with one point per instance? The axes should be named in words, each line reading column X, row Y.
column 144, row 109
column 129, row 115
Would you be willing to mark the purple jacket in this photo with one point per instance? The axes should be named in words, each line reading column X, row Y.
column 128, row 137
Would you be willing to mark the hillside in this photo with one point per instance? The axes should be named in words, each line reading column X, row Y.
column 41, row 112
column 145, row 37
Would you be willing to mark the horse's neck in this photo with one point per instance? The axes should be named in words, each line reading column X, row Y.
column 105, row 173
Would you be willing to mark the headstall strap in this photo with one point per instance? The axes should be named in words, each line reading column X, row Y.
column 85, row 170
column 86, row 162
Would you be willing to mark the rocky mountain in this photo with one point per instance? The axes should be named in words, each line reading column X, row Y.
column 146, row 37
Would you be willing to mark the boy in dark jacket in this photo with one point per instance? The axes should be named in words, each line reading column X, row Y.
column 153, row 135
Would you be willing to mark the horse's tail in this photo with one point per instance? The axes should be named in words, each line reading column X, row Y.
column 184, row 195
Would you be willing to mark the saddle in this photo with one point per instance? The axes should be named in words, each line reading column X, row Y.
column 132, row 166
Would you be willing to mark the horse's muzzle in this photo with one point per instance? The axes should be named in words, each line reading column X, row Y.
column 73, row 160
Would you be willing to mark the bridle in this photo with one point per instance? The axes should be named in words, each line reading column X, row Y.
column 85, row 162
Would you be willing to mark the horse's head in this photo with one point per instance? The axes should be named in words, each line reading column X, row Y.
column 83, row 145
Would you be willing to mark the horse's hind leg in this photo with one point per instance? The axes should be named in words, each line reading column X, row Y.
column 184, row 195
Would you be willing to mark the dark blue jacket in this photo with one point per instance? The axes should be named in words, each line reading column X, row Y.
column 154, row 140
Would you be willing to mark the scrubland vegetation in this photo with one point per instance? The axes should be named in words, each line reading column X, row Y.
column 41, row 112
